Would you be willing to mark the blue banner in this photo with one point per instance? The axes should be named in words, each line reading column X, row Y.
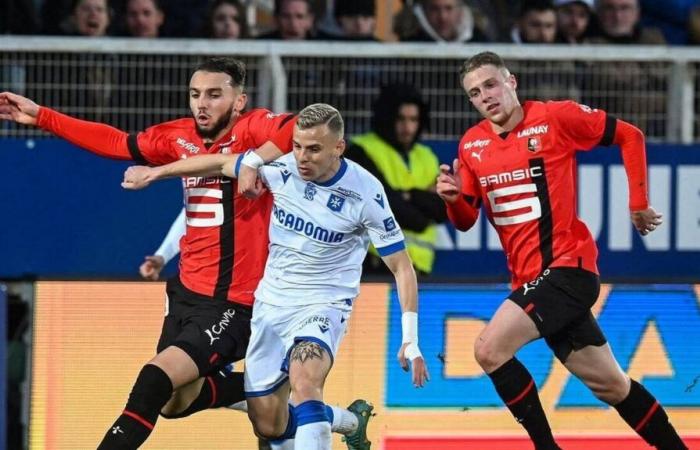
column 65, row 215
column 652, row 330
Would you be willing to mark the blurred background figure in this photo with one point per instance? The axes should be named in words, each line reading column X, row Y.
column 442, row 21
column 407, row 169
column 226, row 20
column 573, row 20
column 536, row 23
column 89, row 18
column 356, row 19
column 619, row 23
column 294, row 19
column 144, row 18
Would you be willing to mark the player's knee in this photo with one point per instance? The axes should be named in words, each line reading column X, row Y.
column 264, row 427
column 488, row 356
column 609, row 389
column 306, row 388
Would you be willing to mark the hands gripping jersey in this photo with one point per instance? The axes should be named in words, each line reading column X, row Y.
column 320, row 232
column 526, row 181
column 224, row 249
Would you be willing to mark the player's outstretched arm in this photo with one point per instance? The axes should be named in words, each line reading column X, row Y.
column 18, row 109
column 139, row 177
column 400, row 265
column 98, row 138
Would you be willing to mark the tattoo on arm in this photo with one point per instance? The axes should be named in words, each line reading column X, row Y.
column 306, row 350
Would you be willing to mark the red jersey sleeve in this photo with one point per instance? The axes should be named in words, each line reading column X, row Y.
column 265, row 126
column 584, row 126
column 153, row 146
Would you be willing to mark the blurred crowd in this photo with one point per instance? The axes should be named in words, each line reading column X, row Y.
column 675, row 22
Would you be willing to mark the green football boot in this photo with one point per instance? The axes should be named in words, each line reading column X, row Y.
column 358, row 440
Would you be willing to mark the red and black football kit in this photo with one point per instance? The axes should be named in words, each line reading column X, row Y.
column 224, row 249
column 526, row 180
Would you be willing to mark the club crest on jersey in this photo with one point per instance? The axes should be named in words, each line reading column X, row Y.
column 534, row 144
column 310, row 191
column 389, row 224
column 335, row 203
column 379, row 199
column 285, row 175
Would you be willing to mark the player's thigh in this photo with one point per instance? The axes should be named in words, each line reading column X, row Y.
column 597, row 368
column 508, row 330
column 309, row 365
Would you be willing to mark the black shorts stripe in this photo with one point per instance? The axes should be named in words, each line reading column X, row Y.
column 133, row 146
column 545, row 220
column 285, row 120
column 226, row 231
column 609, row 132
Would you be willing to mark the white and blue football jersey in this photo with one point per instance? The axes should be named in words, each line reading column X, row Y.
column 320, row 233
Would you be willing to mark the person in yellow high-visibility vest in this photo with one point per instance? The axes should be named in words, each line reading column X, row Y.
column 407, row 169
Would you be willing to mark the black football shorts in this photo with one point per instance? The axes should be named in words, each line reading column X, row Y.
column 559, row 302
column 212, row 332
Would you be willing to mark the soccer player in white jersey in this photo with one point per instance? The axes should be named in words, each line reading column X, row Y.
column 326, row 212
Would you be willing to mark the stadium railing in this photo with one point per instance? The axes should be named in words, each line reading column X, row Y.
column 133, row 83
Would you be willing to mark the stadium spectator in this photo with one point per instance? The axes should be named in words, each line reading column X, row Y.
column 444, row 21
column 205, row 292
column 144, row 18
column 295, row 20
column 356, row 20
column 407, row 170
column 536, row 23
column 306, row 295
column 573, row 20
column 619, row 23
column 550, row 252
column 226, row 19
column 694, row 26
column 89, row 18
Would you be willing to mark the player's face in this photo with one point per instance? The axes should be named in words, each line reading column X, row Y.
column 317, row 151
column 407, row 123
column 214, row 102
column 492, row 92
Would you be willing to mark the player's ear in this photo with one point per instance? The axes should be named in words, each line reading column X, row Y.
column 241, row 101
column 513, row 81
column 340, row 148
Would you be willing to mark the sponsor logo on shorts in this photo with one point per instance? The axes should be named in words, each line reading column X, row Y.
column 534, row 283
column 323, row 322
column 215, row 331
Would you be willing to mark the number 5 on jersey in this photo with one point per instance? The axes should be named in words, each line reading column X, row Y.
column 199, row 201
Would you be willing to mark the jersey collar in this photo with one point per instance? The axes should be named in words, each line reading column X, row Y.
column 338, row 175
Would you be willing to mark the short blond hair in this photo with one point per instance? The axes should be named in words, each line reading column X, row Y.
column 321, row 114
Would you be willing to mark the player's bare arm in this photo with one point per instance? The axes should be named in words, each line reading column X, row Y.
column 18, row 109
column 139, row 177
column 248, row 172
column 400, row 265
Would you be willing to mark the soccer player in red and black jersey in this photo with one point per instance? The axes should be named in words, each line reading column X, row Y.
column 223, row 252
column 520, row 162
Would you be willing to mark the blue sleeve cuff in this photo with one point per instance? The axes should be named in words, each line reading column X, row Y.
column 237, row 167
column 390, row 249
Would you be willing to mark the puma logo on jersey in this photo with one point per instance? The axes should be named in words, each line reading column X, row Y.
column 539, row 129
column 478, row 155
